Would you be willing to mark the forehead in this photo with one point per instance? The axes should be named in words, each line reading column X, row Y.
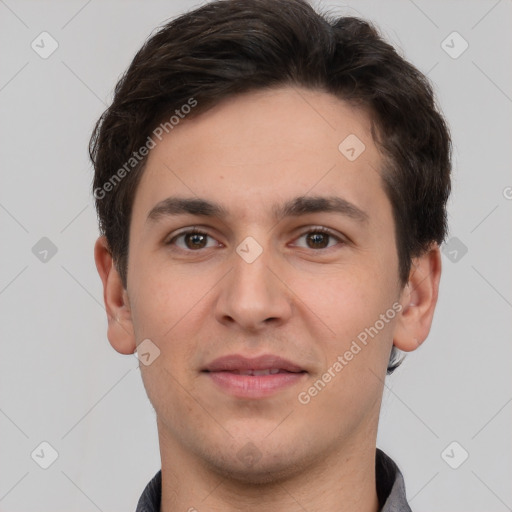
column 264, row 148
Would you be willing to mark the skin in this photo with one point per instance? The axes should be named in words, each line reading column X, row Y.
column 298, row 300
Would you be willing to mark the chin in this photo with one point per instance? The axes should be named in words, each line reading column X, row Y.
column 246, row 464
column 262, row 472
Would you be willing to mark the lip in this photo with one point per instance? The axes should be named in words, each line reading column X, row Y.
column 230, row 373
column 238, row 362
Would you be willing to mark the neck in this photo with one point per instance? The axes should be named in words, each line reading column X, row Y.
column 340, row 481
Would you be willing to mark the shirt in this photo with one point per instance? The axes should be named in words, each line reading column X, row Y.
column 389, row 480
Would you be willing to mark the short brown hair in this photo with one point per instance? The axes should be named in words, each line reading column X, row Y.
column 228, row 47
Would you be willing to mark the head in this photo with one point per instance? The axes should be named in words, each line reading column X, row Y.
column 249, row 105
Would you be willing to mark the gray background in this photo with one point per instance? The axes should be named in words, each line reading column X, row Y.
column 61, row 382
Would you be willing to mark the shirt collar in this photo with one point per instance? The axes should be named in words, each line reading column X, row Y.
column 389, row 480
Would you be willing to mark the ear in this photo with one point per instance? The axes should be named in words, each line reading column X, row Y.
column 418, row 300
column 120, row 328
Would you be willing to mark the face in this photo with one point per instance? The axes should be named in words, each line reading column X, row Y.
column 260, row 315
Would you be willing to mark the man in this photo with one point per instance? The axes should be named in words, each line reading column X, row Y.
column 271, row 187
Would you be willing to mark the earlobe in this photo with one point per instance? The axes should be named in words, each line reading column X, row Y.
column 120, row 328
column 418, row 299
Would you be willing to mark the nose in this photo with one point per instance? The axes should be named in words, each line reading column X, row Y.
column 253, row 295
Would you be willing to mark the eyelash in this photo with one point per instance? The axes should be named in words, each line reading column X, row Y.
column 319, row 229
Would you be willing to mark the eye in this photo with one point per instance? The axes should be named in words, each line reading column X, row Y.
column 192, row 239
column 319, row 238
column 195, row 239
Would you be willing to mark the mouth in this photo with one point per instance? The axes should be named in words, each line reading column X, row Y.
column 260, row 377
column 267, row 371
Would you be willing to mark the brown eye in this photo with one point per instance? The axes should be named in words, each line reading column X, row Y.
column 195, row 240
column 320, row 238
column 192, row 240
column 317, row 240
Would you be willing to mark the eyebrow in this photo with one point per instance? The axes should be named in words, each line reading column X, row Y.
column 295, row 207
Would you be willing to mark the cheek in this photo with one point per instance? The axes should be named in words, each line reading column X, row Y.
column 169, row 315
column 355, row 309
column 172, row 395
column 169, row 309
column 358, row 308
column 166, row 300
column 347, row 296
